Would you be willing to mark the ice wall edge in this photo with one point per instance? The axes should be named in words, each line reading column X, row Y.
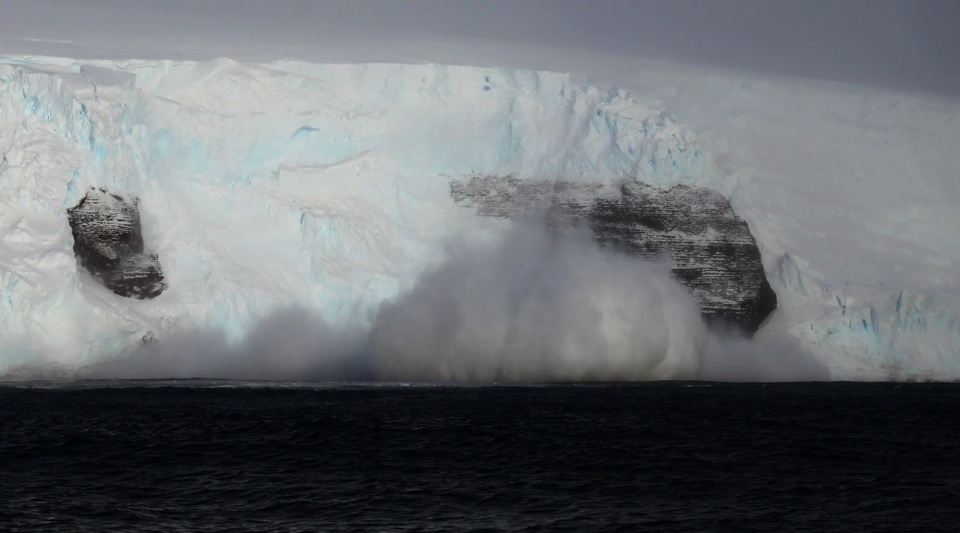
column 341, row 174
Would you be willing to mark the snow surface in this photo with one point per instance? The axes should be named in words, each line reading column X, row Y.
column 290, row 185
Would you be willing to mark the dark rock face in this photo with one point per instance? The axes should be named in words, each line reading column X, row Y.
column 108, row 243
column 710, row 248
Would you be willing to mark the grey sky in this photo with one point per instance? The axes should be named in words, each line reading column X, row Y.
column 904, row 44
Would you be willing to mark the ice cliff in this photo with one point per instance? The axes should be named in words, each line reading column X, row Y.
column 265, row 187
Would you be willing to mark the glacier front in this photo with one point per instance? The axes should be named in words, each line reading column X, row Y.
column 324, row 191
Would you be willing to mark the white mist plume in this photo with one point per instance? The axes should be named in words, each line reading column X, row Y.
column 728, row 356
column 290, row 345
column 539, row 308
column 531, row 307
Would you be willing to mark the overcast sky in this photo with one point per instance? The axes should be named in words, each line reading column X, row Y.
column 904, row 44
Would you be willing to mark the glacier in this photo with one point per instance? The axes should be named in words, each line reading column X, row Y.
column 324, row 190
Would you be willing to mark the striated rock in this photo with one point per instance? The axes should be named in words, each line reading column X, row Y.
column 710, row 248
column 108, row 243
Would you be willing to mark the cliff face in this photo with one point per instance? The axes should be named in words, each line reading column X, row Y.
column 710, row 248
column 108, row 243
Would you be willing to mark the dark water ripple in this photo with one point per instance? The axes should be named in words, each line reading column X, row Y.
column 663, row 456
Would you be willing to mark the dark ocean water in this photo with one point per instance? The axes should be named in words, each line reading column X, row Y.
column 221, row 456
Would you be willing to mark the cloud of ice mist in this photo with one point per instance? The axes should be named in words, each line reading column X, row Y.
column 292, row 344
column 536, row 307
column 530, row 307
column 728, row 356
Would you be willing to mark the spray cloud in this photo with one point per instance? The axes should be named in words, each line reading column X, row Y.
column 532, row 306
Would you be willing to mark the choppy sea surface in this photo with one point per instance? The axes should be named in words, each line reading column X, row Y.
column 254, row 456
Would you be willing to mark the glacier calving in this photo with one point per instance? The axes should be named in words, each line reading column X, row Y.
column 289, row 185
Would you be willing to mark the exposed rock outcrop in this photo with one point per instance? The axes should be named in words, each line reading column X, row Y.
column 108, row 243
column 710, row 248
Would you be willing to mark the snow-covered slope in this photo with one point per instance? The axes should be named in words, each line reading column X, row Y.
column 269, row 187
